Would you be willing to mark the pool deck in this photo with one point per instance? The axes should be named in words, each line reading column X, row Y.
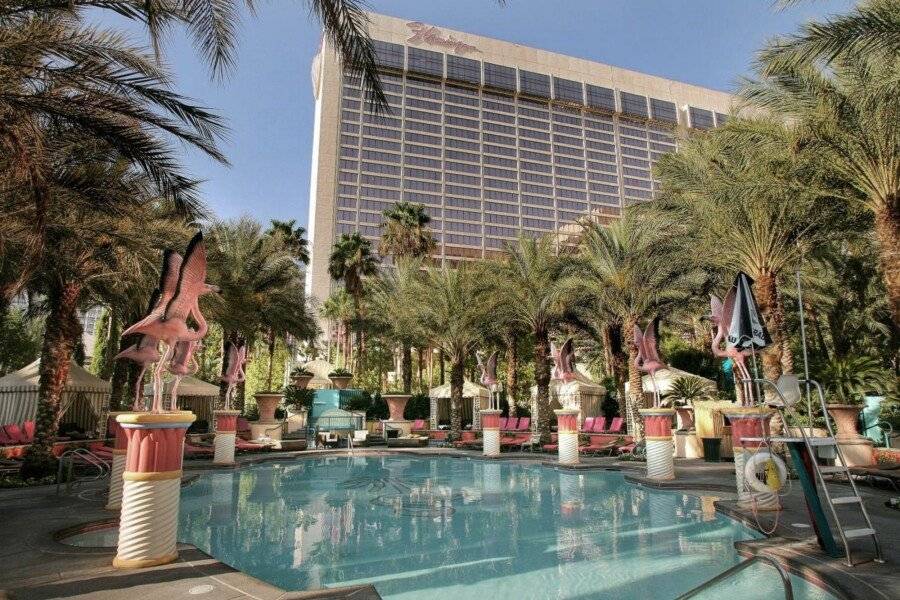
column 35, row 565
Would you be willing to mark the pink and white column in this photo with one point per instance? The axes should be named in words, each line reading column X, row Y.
column 753, row 423
column 226, row 434
column 567, row 435
column 490, row 432
column 114, row 497
column 660, row 447
column 151, row 491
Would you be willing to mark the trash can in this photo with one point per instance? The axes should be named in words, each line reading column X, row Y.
column 712, row 448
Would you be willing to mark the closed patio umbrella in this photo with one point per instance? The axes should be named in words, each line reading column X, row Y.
column 747, row 329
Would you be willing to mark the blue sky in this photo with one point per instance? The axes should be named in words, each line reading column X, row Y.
column 267, row 100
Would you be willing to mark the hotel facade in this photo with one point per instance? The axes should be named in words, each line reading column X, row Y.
column 495, row 139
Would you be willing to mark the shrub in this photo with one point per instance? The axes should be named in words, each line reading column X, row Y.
column 418, row 407
column 298, row 398
column 340, row 372
column 300, row 372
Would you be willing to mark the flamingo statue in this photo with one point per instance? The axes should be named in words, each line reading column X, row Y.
column 168, row 322
column 567, row 361
column 234, row 374
column 489, row 373
column 556, row 355
column 183, row 363
column 721, row 314
column 648, row 359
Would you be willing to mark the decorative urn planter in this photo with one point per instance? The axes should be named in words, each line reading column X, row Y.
column 396, row 404
column 301, row 381
column 267, row 402
column 685, row 418
column 845, row 418
column 341, row 382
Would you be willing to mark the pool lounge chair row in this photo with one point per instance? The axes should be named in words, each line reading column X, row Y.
column 14, row 434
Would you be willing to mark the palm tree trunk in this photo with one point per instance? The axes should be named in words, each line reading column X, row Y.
column 406, row 366
column 816, row 323
column 512, row 374
column 887, row 231
column 456, row 395
column 542, row 381
column 772, row 310
column 443, row 374
column 271, row 349
column 60, row 337
column 635, row 398
column 419, row 367
column 618, row 367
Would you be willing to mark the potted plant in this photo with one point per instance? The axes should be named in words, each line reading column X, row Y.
column 681, row 395
column 300, row 377
column 340, row 378
column 396, row 401
column 846, row 382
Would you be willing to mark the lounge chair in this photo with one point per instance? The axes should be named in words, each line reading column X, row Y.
column 588, row 424
column 5, row 440
column 245, row 446
column 503, row 422
column 512, row 424
column 627, row 448
column 243, row 428
column 360, row 437
column 467, row 440
column 15, row 433
column 600, row 446
column 616, row 425
column 418, row 425
column 524, row 424
column 28, row 429
column 192, row 451
column 599, row 425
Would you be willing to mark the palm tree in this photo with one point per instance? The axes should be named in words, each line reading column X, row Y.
column 754, row 206
column 351, row 261
column 293, row 238
column 261, row 287
column 338, row 308
column 91, row 83
column 635, row 271
column 452, row 309
column 531, row 293
column 405, row 231
column 846, row 116
column 405, row 235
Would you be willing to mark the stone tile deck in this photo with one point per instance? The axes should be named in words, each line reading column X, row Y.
column 34, row 565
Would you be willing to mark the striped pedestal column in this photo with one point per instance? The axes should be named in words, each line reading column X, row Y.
column 226, row 431
column 658, row 436
column 114, row 497
column 567, row 432
column 151, row 490
column 750, row 422
column 490, row 432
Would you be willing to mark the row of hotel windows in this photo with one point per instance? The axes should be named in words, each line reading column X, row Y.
column 537, row 85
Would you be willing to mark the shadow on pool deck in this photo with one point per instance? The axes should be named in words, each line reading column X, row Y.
column 34, row 565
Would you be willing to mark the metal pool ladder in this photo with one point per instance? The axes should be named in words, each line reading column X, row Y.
column 785, row 578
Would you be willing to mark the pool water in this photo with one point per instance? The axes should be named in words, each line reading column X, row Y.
column 466, row 529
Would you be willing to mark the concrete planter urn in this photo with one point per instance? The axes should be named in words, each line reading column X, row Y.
column 341, row 382
column 845, row 419
column 267, row 402
column 396, row 405
column 684, row 417
column 301, row 381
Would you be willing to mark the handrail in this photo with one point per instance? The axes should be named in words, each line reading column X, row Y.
column 87, row 456
column 785, row 578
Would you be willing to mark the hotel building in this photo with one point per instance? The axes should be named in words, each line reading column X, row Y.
column 495, row 139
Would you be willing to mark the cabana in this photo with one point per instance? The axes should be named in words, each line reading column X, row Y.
column 194, row 395
column 85, row 398
column 581, row 394
column 475, row 398
column 665, row 377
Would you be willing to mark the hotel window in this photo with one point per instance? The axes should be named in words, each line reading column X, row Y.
column 457, row 155
column 381, row 120
column 375, row 205
column 605, row 199
column 421, row 138
column 463, row 69
column 347, row 190
column 462, row 144
column 601, row 97
column 530, row 188
column 534, row 155
column 462, row 227
column 566, row 89
column 535, row 178
column 533, row 211
column 721, row 119
column 501, row 106
column 380, row 168
column 350, row 116
column 601, row 187
column 346, row 215
column 601, row 167
column 501, row 219
column 452, row 238
column 463, row 179
column 700, row 118
column 422, row 174
column 461, row 99
column 500, row 77
column 464, row 203
column 422, row 199
column 607, row 177
column 463, row 133
column 382, row 156
column 381, row 144
column 495, row 172
column 567, row 216
column 462, row 215
column 500, row 162
column 366, row 217
column 424, row 116
column 422, row 162
column 569, row 205
column 387, row 54
column 351, row 104
column 565, row 160
column 502, row 150
column 537, row 224
column 494, row 230
column 347, row 177
column 496, row 127
column 534, row 145
column 460, row 122
column 566, row 150
column 540, row 168
column 498, row 195
column 557, row 128
column 563, row 117
column 634, row 152
column 349, row 152
column 530, row 112
column 639, row 133
column 601, row 155
column 663, row 111
column 459, row 190
column 349, row 140
column 421, row 186
column 634, row 162
column 416, row 103
column 380, row 132
column 426, row 127
column 565, row 139
column 425, row 61
column 599, row 125
column 501, row 208
column 566, row 193
column 424, row 93
column 535, row 124
column 462, row 110
column 501, row 184
column 566, row 172
column 534, row 84
column 382, row 181
column 498, row 117
column 347, row 202
column 538, row 135
column 633, row 104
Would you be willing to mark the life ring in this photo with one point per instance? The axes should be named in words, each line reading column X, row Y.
column 761, row 460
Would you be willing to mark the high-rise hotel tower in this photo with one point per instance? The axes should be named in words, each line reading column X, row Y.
column 497, row 140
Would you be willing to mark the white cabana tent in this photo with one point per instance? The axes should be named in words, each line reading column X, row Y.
column 194, row 395
column 85, row 398
column 475, row 398
column 664, row 379
column 582, row 393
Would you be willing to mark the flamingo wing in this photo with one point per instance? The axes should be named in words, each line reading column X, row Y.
column 567, row 353
column 728, row 308
column 650, row 352
column 639, row 339
column 716, row 308
column 191, row 281
column 492, row 365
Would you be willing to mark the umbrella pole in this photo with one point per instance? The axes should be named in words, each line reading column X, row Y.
column 759, row 396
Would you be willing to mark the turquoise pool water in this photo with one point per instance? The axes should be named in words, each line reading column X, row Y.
column 466, row 529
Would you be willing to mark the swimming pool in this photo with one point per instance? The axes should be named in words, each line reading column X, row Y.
column 466, row 529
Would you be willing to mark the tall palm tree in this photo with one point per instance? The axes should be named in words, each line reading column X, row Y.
column 405, row 235
column 338, row 308
column 846, row 116
column 352, row 261
column 754, row 206
column 635, row 272
column 293, row 238
column 531, row 293
column 452, row 308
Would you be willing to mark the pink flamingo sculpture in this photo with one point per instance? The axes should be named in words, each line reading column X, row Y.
column 648, row 359
column 556, row 355
column 567, row 361
column 234, row 374
column 721, row 317
column 489, row 374
column 170, row 324
column 183, row 363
